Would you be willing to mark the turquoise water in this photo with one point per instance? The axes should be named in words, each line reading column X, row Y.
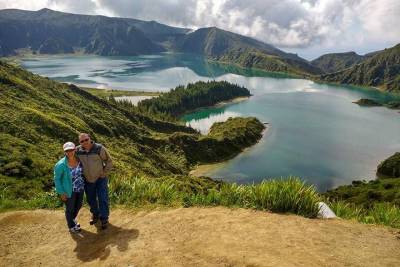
column 315, row 131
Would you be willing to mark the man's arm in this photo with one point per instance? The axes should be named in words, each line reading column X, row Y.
column 105, row 156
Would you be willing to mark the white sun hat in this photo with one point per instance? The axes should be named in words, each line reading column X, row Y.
column 68, row 146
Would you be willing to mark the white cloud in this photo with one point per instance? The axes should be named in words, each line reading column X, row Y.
column 298, row 25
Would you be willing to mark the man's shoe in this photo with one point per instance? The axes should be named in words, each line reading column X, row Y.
column 94, row 220
column 104, row 225
column 75, row 230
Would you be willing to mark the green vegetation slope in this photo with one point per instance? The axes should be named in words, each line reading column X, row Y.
column 381, row 70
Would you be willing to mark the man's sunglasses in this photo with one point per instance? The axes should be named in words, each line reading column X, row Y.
column 84, row 140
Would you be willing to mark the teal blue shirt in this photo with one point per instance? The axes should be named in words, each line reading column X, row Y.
column 62, row 177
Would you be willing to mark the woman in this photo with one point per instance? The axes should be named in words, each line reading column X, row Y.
column 69, row 181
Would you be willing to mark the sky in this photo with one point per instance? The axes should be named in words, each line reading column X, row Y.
column 309, row 28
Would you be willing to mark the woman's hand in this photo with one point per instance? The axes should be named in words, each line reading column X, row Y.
column 63, row 197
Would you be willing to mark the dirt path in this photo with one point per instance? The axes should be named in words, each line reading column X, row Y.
column 194, row 237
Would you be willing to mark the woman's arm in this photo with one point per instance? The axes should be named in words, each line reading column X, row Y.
column 58, row 175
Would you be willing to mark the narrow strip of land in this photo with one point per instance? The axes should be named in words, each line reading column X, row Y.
column 107, row 92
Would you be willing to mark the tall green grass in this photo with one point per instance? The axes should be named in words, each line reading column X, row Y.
column 379, row 213
column 282, row 195
column 139, row 191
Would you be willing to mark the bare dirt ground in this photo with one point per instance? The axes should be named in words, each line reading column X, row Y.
column 194, row 237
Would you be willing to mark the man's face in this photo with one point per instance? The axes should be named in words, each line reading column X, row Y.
column 85, row 141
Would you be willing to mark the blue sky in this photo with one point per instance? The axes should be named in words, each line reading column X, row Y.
column 306, row 27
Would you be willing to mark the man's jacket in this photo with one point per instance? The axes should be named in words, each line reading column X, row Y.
column 96, row 162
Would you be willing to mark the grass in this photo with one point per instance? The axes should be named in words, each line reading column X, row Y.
column 289, row 195
column 380, row 213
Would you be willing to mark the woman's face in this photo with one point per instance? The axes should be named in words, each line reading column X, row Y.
column 70, row 153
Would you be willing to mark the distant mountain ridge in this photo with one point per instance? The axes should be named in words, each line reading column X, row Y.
column 337, row 61
column 61, row 32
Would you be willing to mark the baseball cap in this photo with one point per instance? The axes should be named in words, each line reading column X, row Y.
column 68, row 146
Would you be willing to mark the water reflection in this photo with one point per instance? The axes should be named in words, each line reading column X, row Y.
column 204, row 123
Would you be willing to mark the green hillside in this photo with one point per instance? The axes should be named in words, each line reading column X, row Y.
column 228, row 47
column 337, row 61
column 38, row 115
column 381, row 70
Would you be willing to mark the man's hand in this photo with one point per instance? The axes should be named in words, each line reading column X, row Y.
column 63, row 197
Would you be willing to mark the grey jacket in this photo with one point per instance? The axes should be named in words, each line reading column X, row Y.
column 96, row 162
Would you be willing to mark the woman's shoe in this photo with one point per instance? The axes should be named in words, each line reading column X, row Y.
column 75, row 230
column 77, row 223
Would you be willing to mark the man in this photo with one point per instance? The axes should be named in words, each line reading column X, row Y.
column 96, row 163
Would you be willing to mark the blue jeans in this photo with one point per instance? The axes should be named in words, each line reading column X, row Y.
column 97, row 198
column 72, row 207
